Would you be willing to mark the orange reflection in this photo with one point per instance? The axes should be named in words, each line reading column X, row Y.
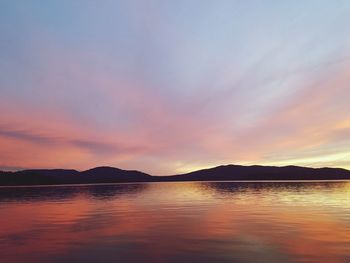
column 160, row 221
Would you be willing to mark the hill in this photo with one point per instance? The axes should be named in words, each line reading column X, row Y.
column 220, row 173
column 256, row 172
column 61, row 176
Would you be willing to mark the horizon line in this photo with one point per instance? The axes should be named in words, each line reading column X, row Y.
column 191, row 171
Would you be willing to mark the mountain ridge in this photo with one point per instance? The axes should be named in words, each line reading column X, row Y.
column 229, row 172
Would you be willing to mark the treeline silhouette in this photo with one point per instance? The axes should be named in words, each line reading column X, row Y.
column 221, row 173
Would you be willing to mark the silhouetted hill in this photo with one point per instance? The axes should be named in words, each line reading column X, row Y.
column 111, row 175
column 38, row 177
column 256, row 172
column 220, row 173
column 61, row 176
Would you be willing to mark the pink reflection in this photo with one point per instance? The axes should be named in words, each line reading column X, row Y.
column 168, row 220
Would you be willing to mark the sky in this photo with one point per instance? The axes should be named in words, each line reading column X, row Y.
column 169, row 87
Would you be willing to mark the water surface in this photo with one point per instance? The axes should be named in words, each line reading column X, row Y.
column 177, row 222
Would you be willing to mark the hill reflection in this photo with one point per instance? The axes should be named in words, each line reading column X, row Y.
column 233, row 187
column 60, row 193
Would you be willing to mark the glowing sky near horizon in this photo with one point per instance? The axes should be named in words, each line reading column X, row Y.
column 172, row 86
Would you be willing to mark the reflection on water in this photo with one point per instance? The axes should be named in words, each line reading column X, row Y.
column 177, row 222
column 58, row 193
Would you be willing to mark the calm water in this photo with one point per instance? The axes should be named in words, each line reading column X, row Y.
column 177, row 222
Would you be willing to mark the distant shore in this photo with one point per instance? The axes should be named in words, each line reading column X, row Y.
column 106, row 175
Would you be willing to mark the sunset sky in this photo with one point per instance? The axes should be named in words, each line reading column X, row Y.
column 172, row 86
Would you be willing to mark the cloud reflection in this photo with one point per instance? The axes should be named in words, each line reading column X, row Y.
column 174, row 222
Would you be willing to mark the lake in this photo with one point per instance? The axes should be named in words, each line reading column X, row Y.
column 177, row 222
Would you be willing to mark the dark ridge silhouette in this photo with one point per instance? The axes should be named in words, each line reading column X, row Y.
column 221, row 173
column 38, row 177
column 257, row 172
column 60, row 176
column 111, row 175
